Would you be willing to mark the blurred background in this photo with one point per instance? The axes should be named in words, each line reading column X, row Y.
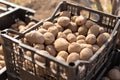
column 44, row 8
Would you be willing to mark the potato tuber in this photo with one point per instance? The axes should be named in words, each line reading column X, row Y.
column 53, row 30
column 86, row 54
column 74, row 47
column 71, row 38
column 82, row 30
column 72, row 57
column 63, row 54
column 51, row 50
column 91, row 39
column 80, row 20
column 94, row 30
column 49, row 38
column 61, row 44
column 63, row 21
column 34, row 37
column 47, row 24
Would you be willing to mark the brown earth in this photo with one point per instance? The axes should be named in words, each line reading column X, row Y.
column 44, row 8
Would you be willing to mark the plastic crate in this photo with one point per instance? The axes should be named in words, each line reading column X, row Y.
column 11, row 12
column 24, row 67
column 115, row 61
column 3, row 75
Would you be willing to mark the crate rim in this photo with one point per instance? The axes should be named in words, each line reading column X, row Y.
column 84, row 7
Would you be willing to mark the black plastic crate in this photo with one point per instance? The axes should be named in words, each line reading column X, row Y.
column 10, row 13
column 115, row 61
column 3, row 75
column 24, row 67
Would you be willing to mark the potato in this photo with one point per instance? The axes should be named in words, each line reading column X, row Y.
column 20, row 23
column 74, row 47
column 81, row 41
column 60, row 28
column 21, row 30
column 40, row 58
column 1, row 57
column 49, row 38
column 72, row 57
column 86, row 54
column 67, row 31
column 71, row 38
column 102, row 38
column 30, row 24
column 107, row 34
column 2, row 63
column 76, row 34
column 105, row 78
column 21, row 27
column 61, row 35
column 39, row 46
column 101, row 30
column 80, row 20
column 82, row 30
column 53, row 30
column 61, row 44
column 53, row 65
column 27, row 65
column 79, row 37
column 60, row 58
column 34, row 37
column 1, row 67
column 63, row 21
column 1, row 40
column 26, row 42
column 47, row 24
column 73, row 18
column 72, row 26
column 42, row 31
column 95, row 48
column 51, row 50
column 91, row 39
column 94, row 30
column 89, row 23
column 83, row 45
column 65, row 13
column 28, row 53
column 114, row 74
column 63, row 54
column 12, row 35
column 15, row 26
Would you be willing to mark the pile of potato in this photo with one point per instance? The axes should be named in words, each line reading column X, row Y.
column 113, row 74
column 69, row 39
column 18, row 26
column 21, row 26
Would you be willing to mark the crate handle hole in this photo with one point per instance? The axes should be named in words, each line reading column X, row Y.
column 3, row 32
column 71, row 64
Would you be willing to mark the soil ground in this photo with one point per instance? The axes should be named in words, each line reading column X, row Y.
column 44, row 8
